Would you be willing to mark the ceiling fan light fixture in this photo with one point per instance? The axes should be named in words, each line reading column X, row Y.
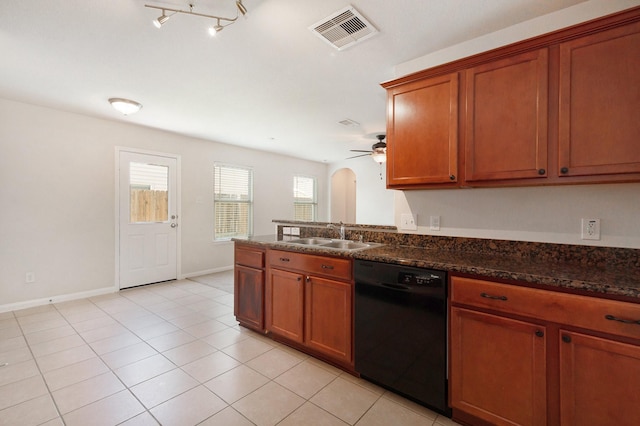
column 125, row 106
column 379, row 156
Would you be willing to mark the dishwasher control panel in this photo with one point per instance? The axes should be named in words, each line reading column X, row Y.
column 421, row 279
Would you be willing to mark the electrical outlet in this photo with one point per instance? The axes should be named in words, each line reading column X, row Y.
column 590, row 229
column 434, row 223
column 30, row 277
column 409, row 222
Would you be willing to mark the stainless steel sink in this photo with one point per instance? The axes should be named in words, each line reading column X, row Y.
column 326, row 243
column 310, row 241
column 346, row 245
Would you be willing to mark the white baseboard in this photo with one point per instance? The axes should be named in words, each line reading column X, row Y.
column 84, row 294
column 56, row 299
column 206, row 272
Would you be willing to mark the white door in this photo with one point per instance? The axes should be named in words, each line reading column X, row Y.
column 148, row 220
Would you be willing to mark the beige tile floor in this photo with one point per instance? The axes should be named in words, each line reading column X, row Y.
column 173, row 354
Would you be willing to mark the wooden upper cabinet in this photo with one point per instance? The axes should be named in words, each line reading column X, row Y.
column 599, row 127
column 422, row 132
column 506, row 118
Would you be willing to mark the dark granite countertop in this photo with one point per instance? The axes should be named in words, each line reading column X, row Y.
column 602, row 281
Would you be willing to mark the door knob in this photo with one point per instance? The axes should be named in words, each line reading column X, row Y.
column 174, row 225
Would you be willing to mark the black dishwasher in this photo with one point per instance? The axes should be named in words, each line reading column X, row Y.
column 401, row 330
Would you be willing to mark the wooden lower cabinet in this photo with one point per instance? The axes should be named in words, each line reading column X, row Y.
column 285, row 304
column 498, row 368
column 248, row 288
column 599, row 381
column 526, row 356
column 249, row 297
column 328, row 317
column 314, row 309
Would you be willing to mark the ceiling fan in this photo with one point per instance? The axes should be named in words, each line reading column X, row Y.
column 378, row 151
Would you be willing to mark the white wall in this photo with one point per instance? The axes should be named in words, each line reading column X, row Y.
column 343, row 196
column 573, row 15
column 374, row 202
column 542, row 214
column 57, row 199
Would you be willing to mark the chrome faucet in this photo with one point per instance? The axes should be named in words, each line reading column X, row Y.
column 341, row 232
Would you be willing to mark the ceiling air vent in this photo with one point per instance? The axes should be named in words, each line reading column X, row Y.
column 344, row 28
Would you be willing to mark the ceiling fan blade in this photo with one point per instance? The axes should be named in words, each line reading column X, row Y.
column 359, row 150
column 356, row 156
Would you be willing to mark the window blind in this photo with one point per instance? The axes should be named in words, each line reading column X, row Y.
column 233, row 201
column 304, row 198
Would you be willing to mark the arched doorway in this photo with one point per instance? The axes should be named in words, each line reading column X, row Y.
column 343, row 196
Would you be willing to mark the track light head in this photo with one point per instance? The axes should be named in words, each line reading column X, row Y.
column 241, row 7
column 215, row 29
column 160, row 20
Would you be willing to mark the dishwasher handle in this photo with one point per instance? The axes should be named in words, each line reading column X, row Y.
column 396, row 286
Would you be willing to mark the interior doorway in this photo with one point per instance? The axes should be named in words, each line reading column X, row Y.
column 343, row 196
column 147, row 220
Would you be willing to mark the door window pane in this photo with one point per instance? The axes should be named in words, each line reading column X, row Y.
column 148, row 193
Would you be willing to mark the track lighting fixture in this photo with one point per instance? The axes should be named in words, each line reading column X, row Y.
column 221, row 21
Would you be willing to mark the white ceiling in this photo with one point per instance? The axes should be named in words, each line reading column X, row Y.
column 266, row 82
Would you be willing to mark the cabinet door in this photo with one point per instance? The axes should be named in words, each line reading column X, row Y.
column 328, row 317
column 599, row 381
column 284, row 305
column 422, row 138
column 599, row 103
column 249, row 297
column 506, row 118
column 498, row 368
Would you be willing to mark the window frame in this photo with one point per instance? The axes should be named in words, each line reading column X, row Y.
column 314, row 200
column 217, row 199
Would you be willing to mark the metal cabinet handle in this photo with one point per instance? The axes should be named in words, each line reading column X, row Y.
column 452, row 177
column 308, row 279
column 284, row 259
column 626, row 321
column 489, row 296
column 539, row 333
column 564, row 170
column 541, row 172
column 327, row 266
column 566, row 338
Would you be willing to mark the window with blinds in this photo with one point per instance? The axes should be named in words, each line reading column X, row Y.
column 305, row 203
column 232, row 201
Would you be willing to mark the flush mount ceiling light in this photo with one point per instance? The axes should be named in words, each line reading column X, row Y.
column 125, row 106
column 221, row 21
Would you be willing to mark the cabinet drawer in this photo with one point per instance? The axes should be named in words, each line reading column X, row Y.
column 587, row 312
column 311, row 264
column 249, row 257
